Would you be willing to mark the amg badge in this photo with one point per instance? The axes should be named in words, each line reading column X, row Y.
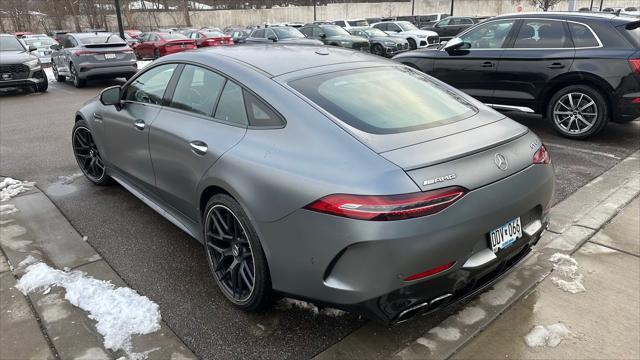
column 439, row 179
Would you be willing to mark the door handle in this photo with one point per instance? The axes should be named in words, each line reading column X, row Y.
column 198, row 147
column 139, row 124
column 556, row 66
column 487, row 64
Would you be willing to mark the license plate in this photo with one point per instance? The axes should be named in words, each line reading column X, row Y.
column 505, row 235
column 109, row 56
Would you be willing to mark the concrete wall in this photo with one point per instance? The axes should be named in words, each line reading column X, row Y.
column 222, row 18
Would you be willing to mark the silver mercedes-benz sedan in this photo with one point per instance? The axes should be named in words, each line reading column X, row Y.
column 323, row 174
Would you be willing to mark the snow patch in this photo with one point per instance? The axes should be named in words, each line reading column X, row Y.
column 430, row 344
column 50, row 76
column 471, row 315
column 27, row 261
column 448, row 334
column 143, row 63
column 8, row 209
column 499, row 295
column 119, row 312
column 568, row 279
column 551, row 335
column 11, row 187
column 68, row 179
column 286, row 304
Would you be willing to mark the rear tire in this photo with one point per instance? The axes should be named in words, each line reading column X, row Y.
column 578, row 111
column 412, row 44
column 230, row 243
column 77, row 82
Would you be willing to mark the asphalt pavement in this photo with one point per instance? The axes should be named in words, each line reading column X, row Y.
column 163, row 263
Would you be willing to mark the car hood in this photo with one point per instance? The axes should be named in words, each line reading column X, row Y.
column 15, row 57
column 301, row 41
column 347, row 38
column 420, row 32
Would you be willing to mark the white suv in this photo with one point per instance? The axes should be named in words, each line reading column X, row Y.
column 351, row 23
column 417, row 38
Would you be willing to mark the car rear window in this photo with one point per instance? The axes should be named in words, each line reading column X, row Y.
column 632, row 32
column 385, row 100
column 101, row 39
column 173, row 36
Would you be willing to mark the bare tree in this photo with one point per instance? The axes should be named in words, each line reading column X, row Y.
column 545, row 5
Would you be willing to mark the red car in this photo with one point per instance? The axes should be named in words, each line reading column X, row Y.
column 21, row 34
column 210, row 38
column 152, row 45
column 133, row 33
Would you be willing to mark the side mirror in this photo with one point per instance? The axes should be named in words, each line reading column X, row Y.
column 273, row 38
column 453, row 44
column 32, row 48
column 55, row 47
column 323, row 36
column 111, row 96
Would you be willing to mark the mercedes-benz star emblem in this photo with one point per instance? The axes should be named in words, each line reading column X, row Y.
column 501, row 162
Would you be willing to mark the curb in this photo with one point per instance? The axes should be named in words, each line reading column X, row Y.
column 572, row 222
column 40, row 230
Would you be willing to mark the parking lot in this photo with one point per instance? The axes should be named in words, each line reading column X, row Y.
column 161, row 262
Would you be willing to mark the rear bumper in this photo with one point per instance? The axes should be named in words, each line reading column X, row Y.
column 89, row 70
column 359, row 266
column 627, row 108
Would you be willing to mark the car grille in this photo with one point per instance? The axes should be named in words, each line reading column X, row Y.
column 404, row 46
column 19, row 71
column 433, row 39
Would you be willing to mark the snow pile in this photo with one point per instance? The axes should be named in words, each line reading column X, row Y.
column 119, row 312
column 286, row 304
column 448, row 334
column 551, row 335
column 11, row 187
column 8, row 209
column 568, row 279
column 471, row 315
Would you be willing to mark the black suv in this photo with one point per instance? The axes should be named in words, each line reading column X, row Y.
column 18, row 67
column 334, row 35
column 578, row 69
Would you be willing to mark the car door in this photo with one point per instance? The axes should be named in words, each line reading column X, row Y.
column 541, row 51
column 63, row 58
column 127, row 128
column 472, row 67
column 205, row 117
column 393, row 29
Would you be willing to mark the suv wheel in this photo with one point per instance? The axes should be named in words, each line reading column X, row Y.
column 377, row 49
column 41, row 87
column 412, row 44
column 87, row 154
column 235, row 255
column 578, row 111
column 77, row 82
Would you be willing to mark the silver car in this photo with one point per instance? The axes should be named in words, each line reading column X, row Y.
column 42, row 43
column 84, row 56
column 323, row 174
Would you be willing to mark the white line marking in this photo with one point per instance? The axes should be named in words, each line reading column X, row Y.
column 587, row 151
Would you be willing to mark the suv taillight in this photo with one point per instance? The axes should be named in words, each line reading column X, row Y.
column 388, row 207
column 541, row 156
column 635, row 65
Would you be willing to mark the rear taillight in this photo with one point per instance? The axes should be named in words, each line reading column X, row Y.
column 541, row 156
column 430, row 272
column 635, row 65
column 126, row 51
column 84, row 52
column 388, row 207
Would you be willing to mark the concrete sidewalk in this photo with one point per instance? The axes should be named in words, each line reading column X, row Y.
column 603, row 322
column 44, row 325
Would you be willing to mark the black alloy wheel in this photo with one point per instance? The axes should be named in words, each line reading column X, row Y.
column 87, row 154
column 377, row 49
column 77, row 82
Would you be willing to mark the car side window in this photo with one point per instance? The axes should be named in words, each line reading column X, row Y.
column 582, row 36
column 259, row 113
column 491, row 35
column 382, row 27
column 258, row 33
column 269, row 34
column 443, row 23
column 339, row 23
column 393, row 27
column 231, row 105
column 465, row 21
column 317, row 32
column 545, row 34
column 149, row 87
column 306, row 31
column 197, row 90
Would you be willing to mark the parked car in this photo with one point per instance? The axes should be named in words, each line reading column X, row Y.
column 85, row 56
column 133, row 33
column 205, row 38
column 153, row 45
column 57, row 35
column 239, row 35
column 578, row 69
column 417, row 38
column 381, row 43
column 350, row 23
column 18, row 67
column 284, row 167
column 428, row 19
column 21, row 34
column 612, row 9
column 42, row 46
column 334, row 35
column 280, row 34
column 451, row 26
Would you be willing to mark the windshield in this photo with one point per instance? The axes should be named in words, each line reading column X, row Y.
column 358, row 23
column 334, row 30
column 375, row 32
column 213, row 34
column 385, row 100
column 287, row 33
column 9, row 43
column 39, row 42
column 101, row 39
column 407, row 26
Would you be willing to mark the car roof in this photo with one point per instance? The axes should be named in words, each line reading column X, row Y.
column 569, row 15
column 278, row 59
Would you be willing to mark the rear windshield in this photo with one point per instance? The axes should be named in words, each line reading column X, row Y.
column 39, row 42
column 100, row 39
column 212, row 34
column 385, row 100
column 173, row 36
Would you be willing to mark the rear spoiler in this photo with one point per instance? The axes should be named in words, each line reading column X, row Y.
column 106, row 45
column 632, row 25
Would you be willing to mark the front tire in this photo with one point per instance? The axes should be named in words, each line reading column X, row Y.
column 41, row 87
column 412, row 44
column 87, row 155
column 235, row 256
column 578, row 111
column 377, row 49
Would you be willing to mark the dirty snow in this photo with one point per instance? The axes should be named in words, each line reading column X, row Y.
column 499, row 295
column 471, row 315
column 448, row 334
column 286, row 304
column 430, row 344
column 8, row 209
column 68, row 179
column 27, row 261
column 551, row 335
column 568, row 279
column 11, row 187
column 119, row 312
column 50, row 76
